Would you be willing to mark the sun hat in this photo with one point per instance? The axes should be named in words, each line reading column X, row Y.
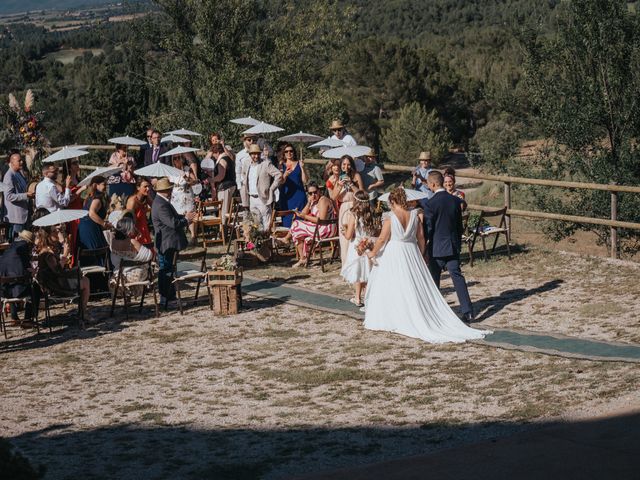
column 371, row 153
column 254, row 149
column 163, row 184
column 425, row 156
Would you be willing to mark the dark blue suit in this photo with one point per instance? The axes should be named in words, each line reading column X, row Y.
column 443, row 231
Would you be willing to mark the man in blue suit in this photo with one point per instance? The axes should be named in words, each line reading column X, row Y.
column 443, row 230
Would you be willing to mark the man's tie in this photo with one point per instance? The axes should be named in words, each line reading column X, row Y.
column 155, row 154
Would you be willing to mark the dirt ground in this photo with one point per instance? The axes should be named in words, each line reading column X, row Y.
column 280, row 390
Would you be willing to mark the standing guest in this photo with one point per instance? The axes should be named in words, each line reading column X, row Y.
column 49, row 194
column 223, row 180
column 90, row 230
column 443, row 225
column 332, row 179
column 140, row 204
column 216, row 139
column 339, row 132
column 349, row 182
column 122, row 183
column 294, row 178
column 303, row 227
column 153, row 153
column 450, row 186
column 243, row 158
column 143, row 148
column 419, row 176
column 16, row 262
column 54, row 276
column 170, row 236
column 182, row 196
column 76, row 202
column 372, row 176
column 362, row 226
column 259, row 182
column 16, row 196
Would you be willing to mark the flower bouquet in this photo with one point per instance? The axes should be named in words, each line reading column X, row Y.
column 256, row 240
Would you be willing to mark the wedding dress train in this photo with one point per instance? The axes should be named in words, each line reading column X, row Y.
column 402, row 297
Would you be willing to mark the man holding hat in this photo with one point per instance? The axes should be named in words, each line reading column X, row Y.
column 16, row 262
column 170, row 235
column 420, row 174
column 243, row 157
column 372, row 175
column 259, row 182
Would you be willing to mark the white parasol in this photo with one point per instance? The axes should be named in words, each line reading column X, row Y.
column 354, row 151
column 60, row 216
column 262, row 127
column 179, row 150
column 328, row 143
column 245, row 121
column 103, row 171
column 174, row 139
column 65, row 153
column 412, row 195
column 127, row 141
column 300, row 138
column 184, row 131
column 159, row 169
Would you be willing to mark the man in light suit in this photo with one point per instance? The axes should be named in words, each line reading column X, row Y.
column 16, row 197
column 443, row 225
column 259, row 182
column 170, row 236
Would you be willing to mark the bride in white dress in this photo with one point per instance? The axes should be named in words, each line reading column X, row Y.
column 402, row 297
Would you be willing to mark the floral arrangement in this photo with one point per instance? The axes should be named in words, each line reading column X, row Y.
column 24, row 125
column 364, row 245
column 252, row 231
column 226, row 262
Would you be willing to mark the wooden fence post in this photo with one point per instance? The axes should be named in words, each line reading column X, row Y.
column 507, row 203
column 614, row 230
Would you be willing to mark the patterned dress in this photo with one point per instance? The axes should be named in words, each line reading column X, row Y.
column 302, row 230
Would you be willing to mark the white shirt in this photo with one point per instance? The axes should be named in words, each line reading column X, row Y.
column 348, row 140
column 47, row 196
column 252, row 178
column 241, row 157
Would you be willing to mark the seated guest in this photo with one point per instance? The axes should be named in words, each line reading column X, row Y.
column 303, row 227
column 126, row 246
column 58, row 237
column 55, row 277
column 16, row 262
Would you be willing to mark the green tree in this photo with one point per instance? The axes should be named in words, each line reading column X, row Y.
column 583, row 82
column 413, row 130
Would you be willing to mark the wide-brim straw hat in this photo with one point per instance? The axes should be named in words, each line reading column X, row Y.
column 336, row 125
column 425, row 156
column 371, row 153
column 163, row 184
column 26, row 235
column 254, row 149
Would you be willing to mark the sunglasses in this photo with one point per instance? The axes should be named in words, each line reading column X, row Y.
column 288, row 151
column 313, row 192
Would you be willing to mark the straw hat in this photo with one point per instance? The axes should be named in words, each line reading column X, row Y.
column 371, row 153
column 425, row 156
column 336, row 125
column 254, row 149
column 163, row 185
column 26, row 235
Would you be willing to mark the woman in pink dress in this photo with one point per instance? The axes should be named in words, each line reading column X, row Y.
column 303, row 227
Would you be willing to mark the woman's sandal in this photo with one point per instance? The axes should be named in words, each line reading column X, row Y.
column 355, row 302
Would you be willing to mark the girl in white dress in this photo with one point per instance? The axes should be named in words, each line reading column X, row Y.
column 361, row 226
column 402, row 296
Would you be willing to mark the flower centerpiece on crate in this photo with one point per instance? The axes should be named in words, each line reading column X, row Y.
column 25, row 127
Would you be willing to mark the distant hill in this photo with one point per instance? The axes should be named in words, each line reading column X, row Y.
column 16, row 6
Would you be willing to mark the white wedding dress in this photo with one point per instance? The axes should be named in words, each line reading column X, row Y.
column 402, row 297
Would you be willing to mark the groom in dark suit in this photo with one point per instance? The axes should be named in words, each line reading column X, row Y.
column 443, row 231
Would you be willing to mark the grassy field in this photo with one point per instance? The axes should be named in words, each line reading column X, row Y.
column 68, row 55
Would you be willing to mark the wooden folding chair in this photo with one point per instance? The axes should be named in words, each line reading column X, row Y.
column 500, row 228
column 209, row 223
column 190, row 266
column 123, row 285
column 278, row 232
column 4, row 301
column 467, row 235
column 100, row 270
column 233, row 222
column 64, row 297
column 318, row 244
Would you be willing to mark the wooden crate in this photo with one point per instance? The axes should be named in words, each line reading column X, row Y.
column 226, row 291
